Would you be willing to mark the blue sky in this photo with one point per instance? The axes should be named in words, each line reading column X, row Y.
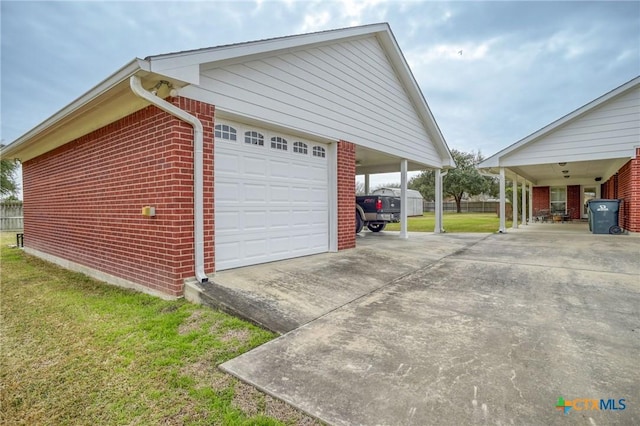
column 523, row 64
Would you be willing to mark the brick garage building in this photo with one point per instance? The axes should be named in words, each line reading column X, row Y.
column 593, row 152
column 180, row 165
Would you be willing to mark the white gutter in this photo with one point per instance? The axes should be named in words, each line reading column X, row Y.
column 198, row 215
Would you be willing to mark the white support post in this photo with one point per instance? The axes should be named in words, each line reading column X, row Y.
column 530, row 202
column 332, row 163
column 524, row 203
column 514, row 202
column 366, row 184
column 437, row 229
column 403, row 199
column 503, row 196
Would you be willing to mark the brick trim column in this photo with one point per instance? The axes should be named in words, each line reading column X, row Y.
column 346, row 181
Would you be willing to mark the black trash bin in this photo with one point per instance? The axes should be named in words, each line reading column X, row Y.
column 603, row 216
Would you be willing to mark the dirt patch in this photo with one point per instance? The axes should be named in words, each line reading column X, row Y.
column 215, row 327
column 205, row 373
column 184, row 413
column 246, row 397
column 253, row 402
column 241, row 336
column 192, row 323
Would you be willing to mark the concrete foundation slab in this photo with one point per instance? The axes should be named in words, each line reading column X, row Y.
column 282, row 296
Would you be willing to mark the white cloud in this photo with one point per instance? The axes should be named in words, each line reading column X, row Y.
column 322, row 15
column 355, row 9
column 315, row 21
column 456, row 52
column 566, row 44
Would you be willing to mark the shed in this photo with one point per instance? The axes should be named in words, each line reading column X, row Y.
column 415, row 202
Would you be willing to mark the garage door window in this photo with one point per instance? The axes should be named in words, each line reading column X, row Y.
column 279, row 143
column 300, row 147
column 319, row 151
column 271, row 196
column 254, row 138
column 223, row 131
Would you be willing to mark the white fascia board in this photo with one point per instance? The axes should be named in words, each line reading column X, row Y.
column 105, row 85
column 494, row 160
column 189, row 74
column 510, row 173
column 231, row 51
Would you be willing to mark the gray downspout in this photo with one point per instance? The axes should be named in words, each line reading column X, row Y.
column 198, row 198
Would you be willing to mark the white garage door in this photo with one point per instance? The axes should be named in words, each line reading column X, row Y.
column 271, row 196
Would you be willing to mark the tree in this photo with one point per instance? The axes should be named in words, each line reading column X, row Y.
column 461, row 181
column 465, row 178
column 8, row 183
column 424, row 183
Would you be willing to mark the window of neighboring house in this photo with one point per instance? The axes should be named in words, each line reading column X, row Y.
column 558, row 199
column 223, row 131
column 319, row 151
column 300, row 147
column 254, row 138
column 279, row 143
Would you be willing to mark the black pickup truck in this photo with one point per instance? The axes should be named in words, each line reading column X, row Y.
column 375, row 211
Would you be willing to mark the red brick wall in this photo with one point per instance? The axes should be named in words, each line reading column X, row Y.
column 83, row 200
column 346, row 195
column 541, row 198
column 628, row 185
column 609, row 189
column 574, row 203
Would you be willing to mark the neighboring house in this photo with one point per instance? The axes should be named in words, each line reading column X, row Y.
column 593, row 152
column 180, row 165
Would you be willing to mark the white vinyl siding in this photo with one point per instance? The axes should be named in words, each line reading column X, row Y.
column 342, row 91
column 610, row 131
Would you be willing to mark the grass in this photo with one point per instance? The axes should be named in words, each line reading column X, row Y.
column 453, row 222
column 77, row 351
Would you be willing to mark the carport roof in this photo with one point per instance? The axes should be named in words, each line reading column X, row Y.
column 599, row 164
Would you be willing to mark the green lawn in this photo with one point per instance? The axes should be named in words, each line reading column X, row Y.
column 453, row 222
column 77, row 351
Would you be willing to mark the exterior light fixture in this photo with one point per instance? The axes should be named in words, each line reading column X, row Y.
column 598, row 179
column 567, row 176
column 565, row 171
column 562, row 164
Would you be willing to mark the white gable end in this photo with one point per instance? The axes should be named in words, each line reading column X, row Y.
column 611, row 130
column 345, row 90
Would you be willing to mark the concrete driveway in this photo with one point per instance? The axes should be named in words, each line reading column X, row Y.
column 492, row 332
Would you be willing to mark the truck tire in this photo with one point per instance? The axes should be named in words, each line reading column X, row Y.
column 359, row 223
column 376, row 227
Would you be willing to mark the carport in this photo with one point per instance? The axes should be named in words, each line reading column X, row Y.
column 593, row 152
column 370, row 162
